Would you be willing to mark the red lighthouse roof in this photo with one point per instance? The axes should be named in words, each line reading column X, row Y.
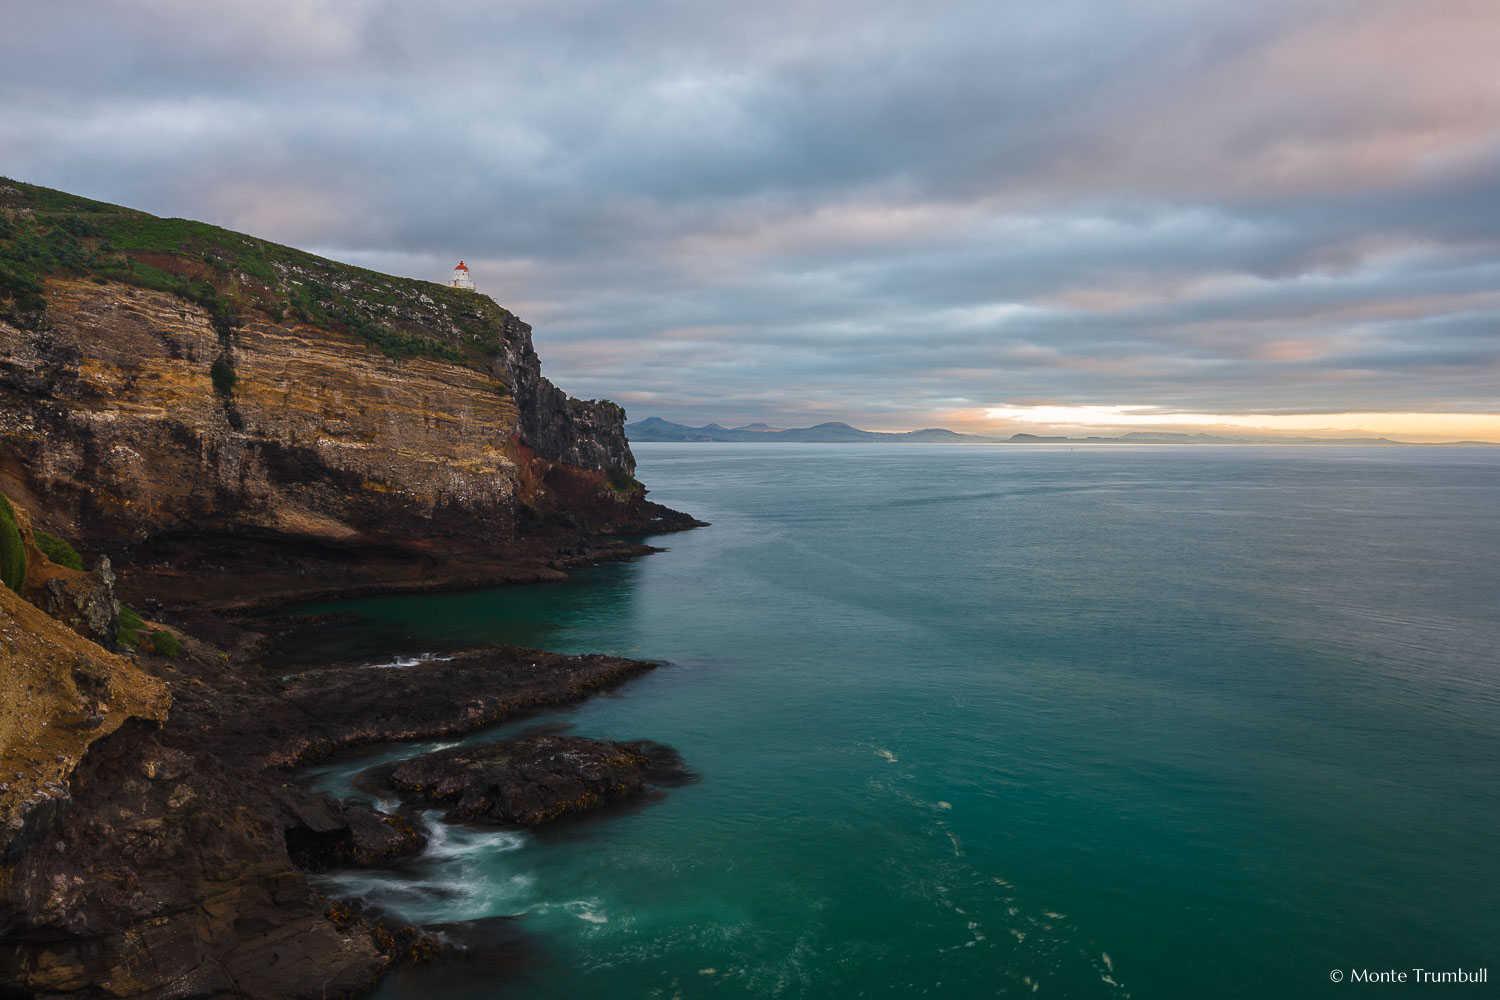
column 461, row 266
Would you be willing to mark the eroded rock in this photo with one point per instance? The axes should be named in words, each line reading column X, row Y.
column 171, row 879
column 180, row 867
column 535, row 779
column 59, row 693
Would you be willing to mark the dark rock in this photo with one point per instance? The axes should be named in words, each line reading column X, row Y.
column 475, row 956
column 532, row 780
column 586, row 434
column 32, row 819
column 171, row 884
column 85, row 603
column 178, row 866
column 310, row 716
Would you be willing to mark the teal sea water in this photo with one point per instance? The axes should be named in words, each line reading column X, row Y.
column 1008, row 721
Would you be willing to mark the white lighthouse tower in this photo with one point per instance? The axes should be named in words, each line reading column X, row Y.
column 461, row 277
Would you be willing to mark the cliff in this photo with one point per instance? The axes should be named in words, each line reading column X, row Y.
column 224, row 422
column 150, row 842
column 60, row 690
column 225, row 416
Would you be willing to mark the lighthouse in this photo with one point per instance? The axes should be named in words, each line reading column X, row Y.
column 461, row 277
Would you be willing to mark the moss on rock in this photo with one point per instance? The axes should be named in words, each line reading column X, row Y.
column 12, row 549
column 58, row 550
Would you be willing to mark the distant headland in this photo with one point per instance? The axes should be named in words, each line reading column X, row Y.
column 837, row 432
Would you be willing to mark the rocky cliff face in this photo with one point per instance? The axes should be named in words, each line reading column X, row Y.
column 223, row 421
column 84, row 602
column 175, row 396
column 587, row 434
column 110, row 412
column 60, row 691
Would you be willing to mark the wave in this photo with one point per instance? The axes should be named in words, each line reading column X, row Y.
column 406, row 661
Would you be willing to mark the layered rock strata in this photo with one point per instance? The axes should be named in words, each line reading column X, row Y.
column 218, row 423
column 329, row 464
column 203, row 406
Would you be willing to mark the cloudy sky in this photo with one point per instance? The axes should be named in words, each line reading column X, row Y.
column 1070, row 214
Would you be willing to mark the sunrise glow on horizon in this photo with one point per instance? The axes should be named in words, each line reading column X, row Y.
column 1082, row 420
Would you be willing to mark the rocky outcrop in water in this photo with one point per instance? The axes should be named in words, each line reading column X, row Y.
column 535, row 779
column 180, row 866
column 282, row 721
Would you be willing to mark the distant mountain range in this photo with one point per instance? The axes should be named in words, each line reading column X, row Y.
column 836, row 432
column 657, row 429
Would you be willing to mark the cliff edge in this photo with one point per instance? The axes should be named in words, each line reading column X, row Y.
column 218, row 422
column 223, row 416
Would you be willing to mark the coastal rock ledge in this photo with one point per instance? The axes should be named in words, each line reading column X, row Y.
column 535, row 779
column 180, row 867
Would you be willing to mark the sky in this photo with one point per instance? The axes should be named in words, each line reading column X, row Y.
column 1076, row 216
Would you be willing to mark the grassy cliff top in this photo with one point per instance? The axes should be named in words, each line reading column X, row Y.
column 45, row 232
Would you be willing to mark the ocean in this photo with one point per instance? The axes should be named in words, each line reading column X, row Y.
column 980, row 721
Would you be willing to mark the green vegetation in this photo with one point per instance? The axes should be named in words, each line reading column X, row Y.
column 223, row 376
column 59, row 551
column 12, row 550
column 232, row 276
column 130, row 626
column 154, row 641
column 315, row 303
column 620, row 481
column 163, row 642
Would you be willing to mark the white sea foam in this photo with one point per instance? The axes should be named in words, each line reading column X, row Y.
column 407, row 661
column 448, row 842
column 587, row 910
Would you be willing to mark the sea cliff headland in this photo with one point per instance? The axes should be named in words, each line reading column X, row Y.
column 214, row 425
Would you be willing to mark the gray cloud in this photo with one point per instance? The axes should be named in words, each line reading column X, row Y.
column 875, row 211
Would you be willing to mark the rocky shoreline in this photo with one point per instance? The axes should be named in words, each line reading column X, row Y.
column 221, row 425
column 155, row 839
column 180, row 865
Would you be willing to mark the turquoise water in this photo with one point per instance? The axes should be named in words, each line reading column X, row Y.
column 996, row 721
